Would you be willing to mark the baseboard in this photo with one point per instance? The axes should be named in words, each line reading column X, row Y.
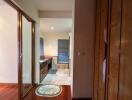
column 9, row 84
column 81, row 98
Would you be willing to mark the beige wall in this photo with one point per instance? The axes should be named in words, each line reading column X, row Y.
column 28, row 6
column 8, row 44
column 51, row 42
column 51, row 45
column 55, row 14
column 83, row 48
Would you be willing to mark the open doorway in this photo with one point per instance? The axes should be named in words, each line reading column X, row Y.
column 56, row 36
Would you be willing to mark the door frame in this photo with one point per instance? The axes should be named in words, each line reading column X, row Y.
column 19, row 47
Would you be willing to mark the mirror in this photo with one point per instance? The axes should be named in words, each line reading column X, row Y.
column 26, row 55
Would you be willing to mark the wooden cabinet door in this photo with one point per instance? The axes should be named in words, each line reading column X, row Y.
column 125, row 78
column 114, row 49
column 100, row 50
column 119, row 70
column 120, row 59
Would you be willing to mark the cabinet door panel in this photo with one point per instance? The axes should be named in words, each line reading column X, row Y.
column 114, row 63
column 125, row 88
column 100, row 50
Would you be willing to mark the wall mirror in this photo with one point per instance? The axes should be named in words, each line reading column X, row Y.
column 27, row 55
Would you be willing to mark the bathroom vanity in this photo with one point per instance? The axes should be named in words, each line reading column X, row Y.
column 45, row 66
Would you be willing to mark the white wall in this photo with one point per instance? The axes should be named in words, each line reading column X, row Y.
column 8, row 44
column 28, row 6
column 51, row 43
column 72, row 47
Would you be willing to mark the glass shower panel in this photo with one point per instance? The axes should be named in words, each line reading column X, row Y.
column 27, row 55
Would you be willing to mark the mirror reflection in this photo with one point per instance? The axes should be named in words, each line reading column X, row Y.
column 27, row 55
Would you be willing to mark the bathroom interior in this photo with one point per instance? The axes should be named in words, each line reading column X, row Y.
column 55, row 41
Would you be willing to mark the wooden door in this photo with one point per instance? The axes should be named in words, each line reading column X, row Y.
column 120, row 56
column 125, row 72
column 119, row 59
column 114, row 48
column 100, row 50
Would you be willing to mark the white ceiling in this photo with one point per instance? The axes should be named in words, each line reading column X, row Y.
column 60, row 25
column 54, row 5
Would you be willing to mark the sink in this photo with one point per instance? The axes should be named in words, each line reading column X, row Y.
column 44, row 60
column 48, row 90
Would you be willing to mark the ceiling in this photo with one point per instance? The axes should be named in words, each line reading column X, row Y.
column 55, row 25
column 54, row 5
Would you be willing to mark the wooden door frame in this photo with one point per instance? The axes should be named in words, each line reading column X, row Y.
column 19, row 42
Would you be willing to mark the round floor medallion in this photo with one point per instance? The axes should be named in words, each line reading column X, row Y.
column 48, row 90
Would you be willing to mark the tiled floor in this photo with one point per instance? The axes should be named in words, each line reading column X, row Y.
column 58, row 77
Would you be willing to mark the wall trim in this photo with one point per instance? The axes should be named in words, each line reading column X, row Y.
column 81, row 98
column 9, row 84
column 55, row 14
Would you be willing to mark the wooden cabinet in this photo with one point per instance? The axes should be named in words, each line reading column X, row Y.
column 118, row 75
column 120, row 59
column 43, row 70
column 45, row 66
column 114, row 50
column 125, row 72
column 100, row 68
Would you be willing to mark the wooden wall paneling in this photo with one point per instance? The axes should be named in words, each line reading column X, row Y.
column 101, row 56
column 96, row 64
column 114, row 62
column 101, row 29
column 118, row 84
column 84, row 35
column 125, row 86
column 103, row 37
column 108, row 47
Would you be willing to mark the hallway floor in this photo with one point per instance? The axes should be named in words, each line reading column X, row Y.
column 65, row 95
column 8, row 92
column 61, row 76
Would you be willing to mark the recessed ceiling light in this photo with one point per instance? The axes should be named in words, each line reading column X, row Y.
column 52, row 28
